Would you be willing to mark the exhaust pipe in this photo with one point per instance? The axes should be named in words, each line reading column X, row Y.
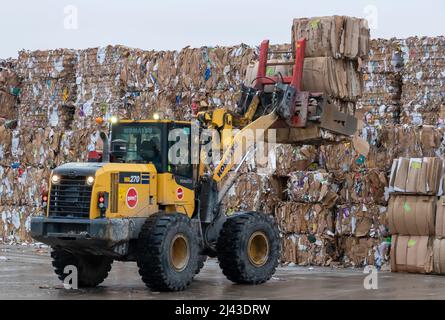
column 106, row 151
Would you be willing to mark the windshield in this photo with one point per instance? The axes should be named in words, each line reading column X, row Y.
column 137, row 143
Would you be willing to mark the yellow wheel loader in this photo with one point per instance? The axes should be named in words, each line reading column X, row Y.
column 133, row 202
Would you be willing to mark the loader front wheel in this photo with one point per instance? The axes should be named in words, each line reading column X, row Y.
column 91, row 270
column 249, row 248
column 168, row 252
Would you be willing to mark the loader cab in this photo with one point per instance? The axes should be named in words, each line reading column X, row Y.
column 166, row 144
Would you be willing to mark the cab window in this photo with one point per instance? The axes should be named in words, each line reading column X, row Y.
column 179, row 154
column 137, row 143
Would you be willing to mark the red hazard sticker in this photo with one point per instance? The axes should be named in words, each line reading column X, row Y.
column 180, row 193
column 132, row 198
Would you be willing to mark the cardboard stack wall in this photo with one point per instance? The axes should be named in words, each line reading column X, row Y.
column 415, row 185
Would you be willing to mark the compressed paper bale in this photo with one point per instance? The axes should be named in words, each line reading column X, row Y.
column 51, row 64
column 420, row 176
column 361, row 221
column 22, row 186
column 312, row 187
column 336, row 78
column 304, row 218
column 343, row 157
column 335, row 36
column 385, row 57
column 15, row 224
column 5, row 145
column 254, row 192
column 284, row 159
column 9, row 89
column 309, row 250
column 412, row 215
column 362, row 187
column 412, row 254
column 361, row 252
column 423, row 98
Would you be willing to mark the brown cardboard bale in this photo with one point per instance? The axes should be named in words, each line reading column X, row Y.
column 8, row 105
column 412, row 254
column 362, row 187
column 336, row 78
column 9, row 90
column 412, row 215
column 385, row 57
column 304, row 218
column 290, row 158
column 361, row 221
column 439, row 256
column 335, row 36
column 416, row 176
column 422, row 95
column 361, row 252
column 312, row 187
column 440, row 218
column 343, row 157
column 22, row 186
column 5, row 145
column 288, row 250
column 254, row 192
column 15, row 224
column 309, row 250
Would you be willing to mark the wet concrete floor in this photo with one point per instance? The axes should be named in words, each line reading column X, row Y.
column 26, row 273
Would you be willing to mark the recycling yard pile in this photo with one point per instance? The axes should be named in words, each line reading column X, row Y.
column 335, row 204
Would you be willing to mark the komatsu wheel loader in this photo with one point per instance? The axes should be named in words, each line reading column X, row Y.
column 132, row 203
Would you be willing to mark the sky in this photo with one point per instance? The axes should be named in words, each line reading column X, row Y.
column 174, row 24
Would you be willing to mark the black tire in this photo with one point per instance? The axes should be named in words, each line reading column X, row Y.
column 201, row 261
column 91, row 270
column 155, row 249
column 232, row 247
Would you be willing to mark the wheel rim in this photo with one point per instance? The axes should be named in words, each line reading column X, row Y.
column 258, row 249
column 179, row 252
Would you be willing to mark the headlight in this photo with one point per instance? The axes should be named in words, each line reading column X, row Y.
column 90, row 181
column 55, row 179
column 114, row 120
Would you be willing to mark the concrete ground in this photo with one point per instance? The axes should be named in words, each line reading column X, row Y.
column 26, row 273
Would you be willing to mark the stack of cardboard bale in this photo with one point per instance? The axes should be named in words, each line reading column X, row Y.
column 306, row 219
column 382, row 77
column 349, row 219
column 423, row 94
column 16, row 200
column 335, row 49
column 415, row 184
column 262, row 187
column 9, row 89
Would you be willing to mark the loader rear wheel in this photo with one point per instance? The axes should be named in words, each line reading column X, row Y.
column 249, row 248
column 91, row 270
column 168, row 252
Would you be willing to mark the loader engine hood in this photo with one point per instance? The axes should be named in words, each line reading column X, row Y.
column 78, row 169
